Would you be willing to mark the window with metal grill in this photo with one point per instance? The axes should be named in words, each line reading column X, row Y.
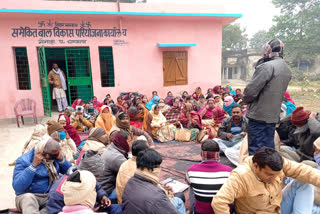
column 106, row 66
column 22, row 68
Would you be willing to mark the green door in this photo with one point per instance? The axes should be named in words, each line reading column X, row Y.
column 46, row 97
column 78, row 69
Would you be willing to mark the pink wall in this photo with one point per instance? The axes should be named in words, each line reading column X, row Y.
column 137, row 65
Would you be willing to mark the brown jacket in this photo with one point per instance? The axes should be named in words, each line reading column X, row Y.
column 54, row 79
column 79, row 124
column 253, row 196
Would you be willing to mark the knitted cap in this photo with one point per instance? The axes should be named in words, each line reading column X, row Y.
column 54, row 126
column 299, row 117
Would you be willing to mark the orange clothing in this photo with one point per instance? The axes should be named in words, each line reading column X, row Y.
column 105, row 120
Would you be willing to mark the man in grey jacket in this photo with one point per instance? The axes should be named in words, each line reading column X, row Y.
column 264, row 95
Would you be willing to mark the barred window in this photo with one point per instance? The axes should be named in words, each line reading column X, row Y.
column 106, row 66
column 22, row 68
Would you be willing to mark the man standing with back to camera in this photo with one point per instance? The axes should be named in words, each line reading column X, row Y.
column 264, row 95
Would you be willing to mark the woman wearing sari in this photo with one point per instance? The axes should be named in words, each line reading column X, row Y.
column 95, row 102
column 105, row 120
column 228, row 103
column 72, row 132
column 77, row 102
column 152, row 102
column 211, row 118
column 158, row 120
column 169, row 98
column 164, row 108
column 217, row 89
column 140, row 118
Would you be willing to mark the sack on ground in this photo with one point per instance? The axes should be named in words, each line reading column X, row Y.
column 165, row 134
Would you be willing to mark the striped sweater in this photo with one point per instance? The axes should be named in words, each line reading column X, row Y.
column 206, row 179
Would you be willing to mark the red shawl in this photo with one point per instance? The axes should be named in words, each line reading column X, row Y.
column 218, row 114
column 72, row 132
column 76, row 103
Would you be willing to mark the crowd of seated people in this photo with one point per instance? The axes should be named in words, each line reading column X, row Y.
column 116, row 168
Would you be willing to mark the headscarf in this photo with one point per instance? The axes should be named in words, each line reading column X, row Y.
column 219, row 114
column 38, row 134
column 97, row 134
column 123, row 125
column 157, row 119
column 63, row 80
column 228, row 103
column 91, row 161
column 152, row 102
column 47, row 145
column 95, row 103
column 105, row 120
column 80, row 193
column 273, row 48
column 232, row 92
column 121, row 142
column 54, row 126
column 217, row 89
column 208, row 114
column 76, row 103
column 72, row 132
column 287, row 95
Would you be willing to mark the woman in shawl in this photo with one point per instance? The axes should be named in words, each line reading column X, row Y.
column 209, row 91
column 198, row 92
column 72, row 132
column 173, row 114
column 190, row 118
column 120, row 101
column 126, row 105
column 217, row 100
column 206, row 111
column 287, row 95
column 217, row 89
column 97, row 141
column 164, row 108
column 140, row 118
column 169, row 98
column 230, row 91
column 144, row 100
column 95, row 102
column 184, row 95
column 158, row 120
column 228, row 103
column 105, row 120
column 152, row 102
column 123, row 124
column 77, row 102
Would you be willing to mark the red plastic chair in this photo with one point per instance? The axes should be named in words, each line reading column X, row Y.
column 25, row 107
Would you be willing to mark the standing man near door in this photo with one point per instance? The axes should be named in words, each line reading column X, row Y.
column 57, row 78
column 264, row 95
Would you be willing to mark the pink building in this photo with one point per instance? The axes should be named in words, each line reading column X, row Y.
column 107, row 48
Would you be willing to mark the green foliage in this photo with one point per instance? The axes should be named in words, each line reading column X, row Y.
column 233, row 37
column 298, row 27
column 259, row 39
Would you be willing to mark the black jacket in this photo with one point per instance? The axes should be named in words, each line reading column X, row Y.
column 141, row 196
column 226, row 126
column 286, row 131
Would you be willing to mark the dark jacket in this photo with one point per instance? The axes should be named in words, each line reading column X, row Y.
column 141, row 196
column 286, row 131
column 226, row 126
column 264, row 93
column 30, row 179
column 307, row 138
column 112, row 158
column 56, row 199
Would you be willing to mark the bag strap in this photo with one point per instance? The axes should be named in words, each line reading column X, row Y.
column 181, row 126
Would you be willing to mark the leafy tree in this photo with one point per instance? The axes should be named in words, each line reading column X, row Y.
column 259, row 39
column 233, row 37
column 298, row 27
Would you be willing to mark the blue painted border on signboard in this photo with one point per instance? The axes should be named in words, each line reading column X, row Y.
column 177, row 45
column 118, row 13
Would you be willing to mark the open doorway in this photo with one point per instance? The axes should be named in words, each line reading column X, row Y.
column 75, row 64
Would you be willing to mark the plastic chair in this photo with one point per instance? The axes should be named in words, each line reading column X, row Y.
column 25, row 107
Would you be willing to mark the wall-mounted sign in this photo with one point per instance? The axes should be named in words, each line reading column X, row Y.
column 69, row 30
